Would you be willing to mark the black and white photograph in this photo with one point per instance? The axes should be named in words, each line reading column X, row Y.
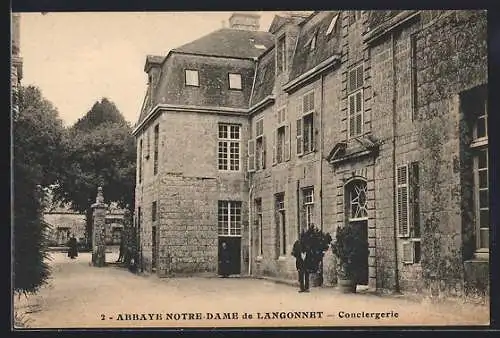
column 226, row 169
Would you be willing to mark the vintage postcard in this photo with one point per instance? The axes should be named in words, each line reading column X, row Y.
column 250, row 169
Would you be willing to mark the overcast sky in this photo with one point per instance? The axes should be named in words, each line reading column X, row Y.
column 78, row 58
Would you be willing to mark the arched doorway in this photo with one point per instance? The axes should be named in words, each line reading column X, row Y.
column 356, row 212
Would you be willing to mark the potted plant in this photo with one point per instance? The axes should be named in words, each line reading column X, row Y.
column 349, row 248
column 317, row 243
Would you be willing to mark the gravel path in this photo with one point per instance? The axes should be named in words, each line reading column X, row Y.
column 81, row 296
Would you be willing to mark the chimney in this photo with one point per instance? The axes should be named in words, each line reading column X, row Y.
column 249, row 21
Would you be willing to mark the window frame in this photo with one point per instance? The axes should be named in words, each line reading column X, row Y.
column 258, row 220
column 353, row 90
column 227, row 205
column 281, row 65
column 306, row 113
column 281, row 224
column 154, row 211
column 228, row 142
column 194, row 71
column 308, row 206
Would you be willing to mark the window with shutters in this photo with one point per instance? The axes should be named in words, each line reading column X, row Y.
column 229, row 147
column 260, row 148
column 229, row 218
column 408, row 211
column 280, row 224
column 305, row 128
column 355, row 102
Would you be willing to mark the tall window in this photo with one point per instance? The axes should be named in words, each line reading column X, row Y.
column 308, row 200
column 234, row 81
column 191, row 77
column 355, row 101
column 229, row 147
column 139, row 164
column 281, row 60
column 153, row 211
column 258, row 221
column 305, row 128
column 229, row 216
column 155, row 153
column 280, row 224
column 408, row 210
column 260, row 148
column 479, row 113
column 281, row 138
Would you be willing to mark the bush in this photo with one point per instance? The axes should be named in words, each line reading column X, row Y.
column 350, row 248
column 316, row 242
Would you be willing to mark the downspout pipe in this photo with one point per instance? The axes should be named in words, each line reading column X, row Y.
column 394, row 188
column 250, row 229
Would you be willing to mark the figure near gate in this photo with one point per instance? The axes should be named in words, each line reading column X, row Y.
column 72, row 247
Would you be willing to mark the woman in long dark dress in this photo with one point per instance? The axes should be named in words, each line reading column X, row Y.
column 73, row 249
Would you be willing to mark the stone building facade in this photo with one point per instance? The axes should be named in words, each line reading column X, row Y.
column 372, row 119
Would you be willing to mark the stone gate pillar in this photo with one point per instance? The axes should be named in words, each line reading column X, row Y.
column 99, row 230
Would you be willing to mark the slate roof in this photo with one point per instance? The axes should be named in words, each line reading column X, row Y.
column 228, row 42
column 326, row 45
column 264, row 81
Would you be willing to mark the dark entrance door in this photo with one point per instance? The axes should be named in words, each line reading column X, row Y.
column 362, row 265
column 233, row 245
column 154, row 248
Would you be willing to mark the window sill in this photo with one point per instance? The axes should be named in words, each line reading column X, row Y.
column 481, row 255
column 258, row 258
column 482, row 142
column 282, row 258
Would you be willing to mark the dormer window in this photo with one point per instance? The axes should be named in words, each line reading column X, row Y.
column 192, row 78
column 281, row 56
column 235, row 81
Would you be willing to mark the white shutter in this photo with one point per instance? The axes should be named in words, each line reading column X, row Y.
column 251, row 156
column 287, row 142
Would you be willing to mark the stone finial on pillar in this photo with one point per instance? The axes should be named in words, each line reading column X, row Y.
column 99, row 230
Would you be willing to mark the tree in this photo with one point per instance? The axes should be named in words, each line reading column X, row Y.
column 101, row 153
column 37, row 149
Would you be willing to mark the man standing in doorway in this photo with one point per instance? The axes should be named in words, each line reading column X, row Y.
column 224, row 260
column 300, row 253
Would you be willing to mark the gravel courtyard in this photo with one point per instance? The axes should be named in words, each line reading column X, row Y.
column 81, row 296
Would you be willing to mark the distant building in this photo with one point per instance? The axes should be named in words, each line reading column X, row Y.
column 370, row 119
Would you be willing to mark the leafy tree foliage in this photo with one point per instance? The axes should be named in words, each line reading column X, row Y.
column 37, row 150
column 101, row 153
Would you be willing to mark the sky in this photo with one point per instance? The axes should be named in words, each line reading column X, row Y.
column 78, row 58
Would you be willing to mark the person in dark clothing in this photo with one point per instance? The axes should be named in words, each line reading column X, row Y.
column 300, row 253
column 121, row 256
column 73, row 247
column 224, row 260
